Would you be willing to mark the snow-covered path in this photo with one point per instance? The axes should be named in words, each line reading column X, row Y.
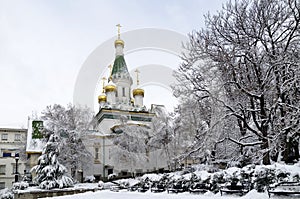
column 106, row 194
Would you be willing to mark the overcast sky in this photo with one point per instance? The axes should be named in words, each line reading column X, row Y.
column 43, row 44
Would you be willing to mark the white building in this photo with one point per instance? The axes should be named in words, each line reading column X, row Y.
column 120, row 106
column 11, row 143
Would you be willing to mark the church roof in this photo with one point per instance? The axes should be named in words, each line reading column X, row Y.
column 119, row 65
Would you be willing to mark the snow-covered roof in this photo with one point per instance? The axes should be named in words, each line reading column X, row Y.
column 33, row 145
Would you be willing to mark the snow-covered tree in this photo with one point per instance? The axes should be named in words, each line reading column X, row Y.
column 199, row 116
column 71, row 124
column 134, row 142
column 49, row 172
column 162, row 133
column 253, row 49
column 130, row 144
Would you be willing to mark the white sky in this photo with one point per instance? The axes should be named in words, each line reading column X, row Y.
column 44, row 43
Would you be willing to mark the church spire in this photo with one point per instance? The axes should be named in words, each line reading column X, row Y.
column 120, row 74
column 119, row 65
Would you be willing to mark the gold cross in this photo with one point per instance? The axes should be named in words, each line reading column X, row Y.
column 119, row 32
column 137, row 77
column 103, row 81
column 110, row 71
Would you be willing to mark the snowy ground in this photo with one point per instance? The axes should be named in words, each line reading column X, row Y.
column 289, row 171
column 106, row 194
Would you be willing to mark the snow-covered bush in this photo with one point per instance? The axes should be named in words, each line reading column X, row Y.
column 101, row 184
column 112, row 176
column 296, row 177
column 263, row 178
column 6, row 194
column 282, row 176
column 216, row 180
column 20, row 185
column 89, row 179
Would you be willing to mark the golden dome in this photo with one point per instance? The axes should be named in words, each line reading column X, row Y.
column 138, row 91
column 102, row 98
column 119, row 41
column 110, row 88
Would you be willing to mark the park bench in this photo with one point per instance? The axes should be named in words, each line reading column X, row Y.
column 144, row 187
column 235, row 188
column 158, row 187
column 285, row 188
column 178, row 187
column 199, row 188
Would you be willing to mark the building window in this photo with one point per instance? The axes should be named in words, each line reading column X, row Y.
column 2, row 185
column 96, row 153
column 6, row 154
column 116, row 93
column 2, row 169
column 17, row 137
column 123, row 91
column 4, row 136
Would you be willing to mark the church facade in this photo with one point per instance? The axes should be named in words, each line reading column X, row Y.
column 121, row 111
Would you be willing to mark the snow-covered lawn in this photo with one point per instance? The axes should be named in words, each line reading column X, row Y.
column 276, row 172
column 106, row 194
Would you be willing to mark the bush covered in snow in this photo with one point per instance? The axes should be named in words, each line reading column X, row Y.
column 6, row 194
column 101, row 184
column 89, row 178
column 20, row 185
column 112, row 176
column 263, row 178
column 255, row 177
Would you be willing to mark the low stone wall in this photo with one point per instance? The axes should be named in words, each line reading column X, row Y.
column 50, row 193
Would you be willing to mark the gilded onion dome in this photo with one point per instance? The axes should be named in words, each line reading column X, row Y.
column 138, row 91
column 101, row 98
column 111, row 87
column 119, row 42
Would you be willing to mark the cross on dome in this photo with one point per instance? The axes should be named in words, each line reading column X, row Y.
column 137, row 77
column 119, row 32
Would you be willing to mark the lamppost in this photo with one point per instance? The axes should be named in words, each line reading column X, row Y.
column 17, row 173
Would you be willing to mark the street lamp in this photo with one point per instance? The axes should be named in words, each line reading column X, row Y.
column 17, row 173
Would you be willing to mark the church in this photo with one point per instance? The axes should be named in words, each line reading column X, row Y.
column 121, row 118
column 121, row 131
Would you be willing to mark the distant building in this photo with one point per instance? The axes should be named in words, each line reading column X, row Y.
column 12, row 142
column 34, row 144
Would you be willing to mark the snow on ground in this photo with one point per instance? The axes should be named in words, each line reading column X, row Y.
column 106, row 194
column 137, row 195
column 200, row 172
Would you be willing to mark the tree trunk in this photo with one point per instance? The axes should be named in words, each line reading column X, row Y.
column 296, row 148
column 264, row 130
column 266, row 154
